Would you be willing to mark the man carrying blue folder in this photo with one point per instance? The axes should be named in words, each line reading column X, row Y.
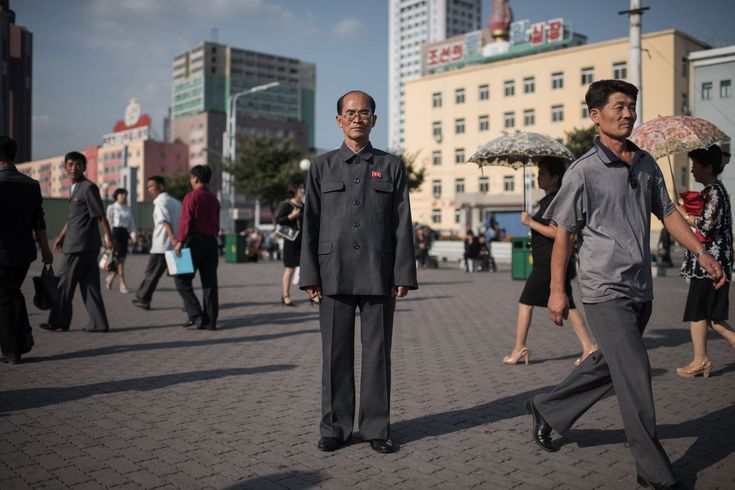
column 198, row 228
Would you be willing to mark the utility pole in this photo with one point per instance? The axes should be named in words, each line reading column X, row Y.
column 634, row 58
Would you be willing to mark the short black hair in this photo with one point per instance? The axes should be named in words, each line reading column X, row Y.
column 555, row 166
column 341, row 100
column 158, row 180
column 202, row 172
column 601, row 90
column 117, row 192
column 8, row 149
column 293, row 188
column 77, row 157
column 709, row 157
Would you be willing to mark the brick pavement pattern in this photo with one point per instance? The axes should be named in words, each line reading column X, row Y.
column 152, row 405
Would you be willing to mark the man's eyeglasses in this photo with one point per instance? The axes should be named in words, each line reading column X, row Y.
column 363, row 115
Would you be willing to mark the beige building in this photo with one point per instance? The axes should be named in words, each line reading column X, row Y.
column 452, row 113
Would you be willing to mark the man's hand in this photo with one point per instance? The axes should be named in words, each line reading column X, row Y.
column 59, row 243
column 558, row 307
column 400, row 291
column 177, row 248
column 47, row 255
column 714, row 270
column 525, row 218
column 314, row 292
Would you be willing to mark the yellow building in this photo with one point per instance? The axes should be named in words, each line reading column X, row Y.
column 452, row 113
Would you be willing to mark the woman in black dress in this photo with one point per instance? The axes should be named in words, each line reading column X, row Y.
column 289, row 213
column 537, row 289
column 707, row 306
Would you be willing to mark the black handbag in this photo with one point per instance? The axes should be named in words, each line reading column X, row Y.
column 46, row 288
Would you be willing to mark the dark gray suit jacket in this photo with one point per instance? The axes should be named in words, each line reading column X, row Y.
column 358, row 233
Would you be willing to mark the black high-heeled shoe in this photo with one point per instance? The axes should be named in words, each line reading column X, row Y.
column 283, row 302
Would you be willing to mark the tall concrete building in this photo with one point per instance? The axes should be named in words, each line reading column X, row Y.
column 712, row 73
column 16, row 81
column 413, row 23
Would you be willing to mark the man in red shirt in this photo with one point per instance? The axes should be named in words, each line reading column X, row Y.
column 198, row 228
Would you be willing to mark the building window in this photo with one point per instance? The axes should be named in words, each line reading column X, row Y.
column 459, row 96
column 509, row 183
column 436, row 188
column 459, row 155
column 509, row 88
column 436, row 99
column 436, row 158
column 620, row 70
column 529, row 85
column 588, row 76
column 529, row 117
column 484, row 184
column 459, row 126
column 457, row 216
column 436, row 216
column 484, row 92
column 436, row 129
column 725, row 89
column 585, row 113
column 706, row 90
column 459, row 186
column 557, row 81
column 484, row 123
column 557, row 113
column 509, row 119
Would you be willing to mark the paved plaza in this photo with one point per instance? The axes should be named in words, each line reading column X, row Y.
column 153, row 405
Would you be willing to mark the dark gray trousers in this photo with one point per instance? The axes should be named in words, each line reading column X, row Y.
column 621, row 363
column 79, row 268
column 337, row 322
column 204, row 255
column 153, row 272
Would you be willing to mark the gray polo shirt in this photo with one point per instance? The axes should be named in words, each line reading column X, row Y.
column 85, row 209
column 609, row 205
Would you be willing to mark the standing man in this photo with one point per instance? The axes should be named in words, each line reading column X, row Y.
column 166, row 216
column 198, row 228
column 21, row 217
column 357, row 252
column 80, row 242
column 615, row 178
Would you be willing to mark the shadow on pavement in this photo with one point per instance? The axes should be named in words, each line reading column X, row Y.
column 285, row 318
column 666, row 337
column 292, row 479
column 439, row 424
column 176, row 344
column 39, row 397
column 422, row 298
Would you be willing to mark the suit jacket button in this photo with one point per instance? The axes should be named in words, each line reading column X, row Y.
column 356, row 202
column 357, row 160
column 356, row 245
column 356, row 225
column 357, row 181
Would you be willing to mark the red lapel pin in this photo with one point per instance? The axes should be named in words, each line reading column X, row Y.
column 377, row 175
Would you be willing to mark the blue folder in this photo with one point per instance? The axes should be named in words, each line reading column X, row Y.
column 179, row 265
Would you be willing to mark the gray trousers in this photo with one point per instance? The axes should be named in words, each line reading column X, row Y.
column 79, row 268
column 337, row 322
column 153, row 272
column 621, row 363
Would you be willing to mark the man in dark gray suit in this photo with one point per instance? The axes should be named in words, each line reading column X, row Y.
column 357, row 252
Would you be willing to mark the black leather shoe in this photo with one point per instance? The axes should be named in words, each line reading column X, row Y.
column 383, row 446
column 141, row 304
column 191, row 323
column 329, row 444
column 658, row 486
column 95, row 330
column 10, row 358
column 541, row 432
column 51, row 328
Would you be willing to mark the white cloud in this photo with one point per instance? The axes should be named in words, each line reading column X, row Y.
column 348, row 27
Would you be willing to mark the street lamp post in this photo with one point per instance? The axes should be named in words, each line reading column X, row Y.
column 230, row 143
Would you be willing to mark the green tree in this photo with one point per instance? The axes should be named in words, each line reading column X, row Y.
column 416, row 175
column 177, row 184
column 265, row 167
column 580, row 140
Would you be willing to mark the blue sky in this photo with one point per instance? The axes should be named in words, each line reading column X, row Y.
column 92, row 56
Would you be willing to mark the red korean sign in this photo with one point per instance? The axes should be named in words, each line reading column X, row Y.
column 445, row 53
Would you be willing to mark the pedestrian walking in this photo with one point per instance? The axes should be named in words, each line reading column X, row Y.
column 80, row 242
column 122, row 222
column 357, row 252
column 198, row 228
column 707, row 306
column 166, row 216
column 613, row 179
column 289, row 215
column 536, row 291
column 21, row 218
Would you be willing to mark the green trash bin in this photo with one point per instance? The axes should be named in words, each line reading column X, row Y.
column 521, row 258
column 235, row 249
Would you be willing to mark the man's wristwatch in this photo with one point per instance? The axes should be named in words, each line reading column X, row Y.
column 704, row 251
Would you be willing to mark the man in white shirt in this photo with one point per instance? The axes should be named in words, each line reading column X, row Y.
column 166, row 213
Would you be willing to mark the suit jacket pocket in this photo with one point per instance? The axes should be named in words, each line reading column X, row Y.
column 332, row 186
column 382, row 186
column 325, row 248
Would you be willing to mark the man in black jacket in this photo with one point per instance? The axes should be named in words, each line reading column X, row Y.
column 22, row 216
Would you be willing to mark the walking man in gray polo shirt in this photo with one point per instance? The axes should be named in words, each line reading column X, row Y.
column 606, row 200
